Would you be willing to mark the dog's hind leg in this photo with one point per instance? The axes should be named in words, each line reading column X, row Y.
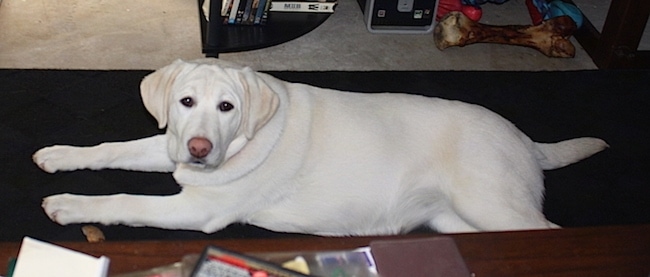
column 501, row 213
column 475, row 219
column 450, row 222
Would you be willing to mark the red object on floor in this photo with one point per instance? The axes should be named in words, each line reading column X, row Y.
column 535, row 15
column 446, row 6
column 473, row 13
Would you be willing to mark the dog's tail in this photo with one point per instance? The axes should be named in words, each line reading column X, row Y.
column 563, row 153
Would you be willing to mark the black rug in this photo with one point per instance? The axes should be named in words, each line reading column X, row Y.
column 45, row 107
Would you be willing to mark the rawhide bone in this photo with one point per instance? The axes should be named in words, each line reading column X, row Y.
column 551, row 37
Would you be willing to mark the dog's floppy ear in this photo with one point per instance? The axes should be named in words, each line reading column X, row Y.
column 155, row 89
column 259, row 102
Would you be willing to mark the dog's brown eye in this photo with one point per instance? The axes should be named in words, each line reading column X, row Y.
column 225, row 106
column 187, row 102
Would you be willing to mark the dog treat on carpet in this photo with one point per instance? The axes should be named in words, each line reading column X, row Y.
column 93, row 234
column 551, row 37
column 298, row 264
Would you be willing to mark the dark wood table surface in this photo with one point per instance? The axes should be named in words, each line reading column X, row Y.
column 592, row 251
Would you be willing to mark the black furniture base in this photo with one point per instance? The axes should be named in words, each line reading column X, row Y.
column 617, row 45
column 279, row 28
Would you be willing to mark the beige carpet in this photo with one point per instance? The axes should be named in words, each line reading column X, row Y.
column 122, row 34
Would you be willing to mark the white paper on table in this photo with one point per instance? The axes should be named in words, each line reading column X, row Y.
column 37, row 259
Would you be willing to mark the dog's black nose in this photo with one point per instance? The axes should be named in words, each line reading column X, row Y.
column 199, row 147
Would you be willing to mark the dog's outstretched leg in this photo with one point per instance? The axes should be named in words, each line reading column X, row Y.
column 147, row 154
column 180, row 211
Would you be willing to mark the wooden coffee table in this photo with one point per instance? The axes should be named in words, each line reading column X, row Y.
column 593, row 251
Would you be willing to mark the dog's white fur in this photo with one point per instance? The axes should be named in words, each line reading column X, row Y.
column 297, row 158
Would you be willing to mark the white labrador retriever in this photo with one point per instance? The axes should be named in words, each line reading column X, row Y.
column 247, row 147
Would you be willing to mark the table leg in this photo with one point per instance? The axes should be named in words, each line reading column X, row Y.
column 617, row 45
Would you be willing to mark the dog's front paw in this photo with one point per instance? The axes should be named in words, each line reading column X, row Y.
column 57, row 158
column 64, row 208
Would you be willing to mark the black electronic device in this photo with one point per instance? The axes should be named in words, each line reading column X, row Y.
column 399, row 16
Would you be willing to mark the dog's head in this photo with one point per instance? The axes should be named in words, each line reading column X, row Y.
column 211, row 108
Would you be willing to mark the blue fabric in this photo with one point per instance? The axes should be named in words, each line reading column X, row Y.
column 557, row 8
